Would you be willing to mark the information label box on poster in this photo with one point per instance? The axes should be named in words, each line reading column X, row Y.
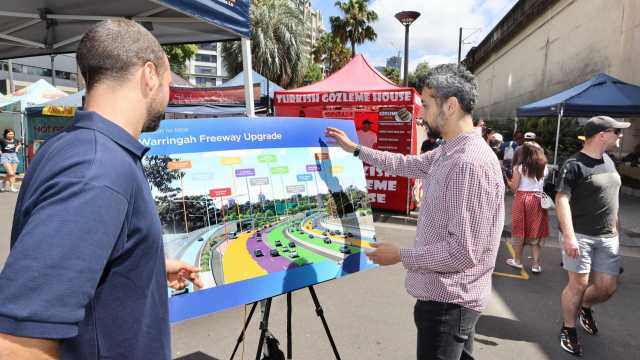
column 259, row 208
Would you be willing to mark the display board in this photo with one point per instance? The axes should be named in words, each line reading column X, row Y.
column 264, row 206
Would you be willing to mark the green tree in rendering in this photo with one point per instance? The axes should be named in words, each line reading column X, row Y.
column 159, row 175
column 354, row 24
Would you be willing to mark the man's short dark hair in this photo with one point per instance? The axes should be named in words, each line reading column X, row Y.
column 112, row 49
column 451, row 80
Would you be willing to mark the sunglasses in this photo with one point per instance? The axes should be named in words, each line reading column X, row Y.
column 615, row 131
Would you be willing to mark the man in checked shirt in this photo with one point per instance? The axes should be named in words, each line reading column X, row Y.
column 458, row 233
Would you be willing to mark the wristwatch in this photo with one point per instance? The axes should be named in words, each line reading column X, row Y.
column 356, row 152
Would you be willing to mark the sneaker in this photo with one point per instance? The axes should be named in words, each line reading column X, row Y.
column 587, row 321
column 536, row 269
column 513, row 263
column 569, row 341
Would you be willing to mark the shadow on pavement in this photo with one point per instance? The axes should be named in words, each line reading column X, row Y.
column 531, row 322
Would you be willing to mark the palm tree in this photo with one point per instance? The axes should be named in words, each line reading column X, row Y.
column 276, row 43
column 354, row 26
column 331, row 51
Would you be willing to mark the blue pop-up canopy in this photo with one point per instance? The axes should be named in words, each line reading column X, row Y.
column 600, row 95
column 39, row 27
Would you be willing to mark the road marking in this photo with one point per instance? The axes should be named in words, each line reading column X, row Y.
column 523, row 273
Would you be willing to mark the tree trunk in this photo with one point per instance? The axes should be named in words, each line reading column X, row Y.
column 353, row 48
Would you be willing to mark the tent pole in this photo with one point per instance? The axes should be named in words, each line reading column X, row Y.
column 248, row 77
column 555, row 154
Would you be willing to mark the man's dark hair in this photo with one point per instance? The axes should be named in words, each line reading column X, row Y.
column 451, row 80
column 112, row 49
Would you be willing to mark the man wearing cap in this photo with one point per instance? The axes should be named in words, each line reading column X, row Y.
column 587, row 208
column 528, row 136
column 367, row 137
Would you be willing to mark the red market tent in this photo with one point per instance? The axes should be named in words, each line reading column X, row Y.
column 359, row 92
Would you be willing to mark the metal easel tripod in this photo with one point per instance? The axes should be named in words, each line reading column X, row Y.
column 264, row 324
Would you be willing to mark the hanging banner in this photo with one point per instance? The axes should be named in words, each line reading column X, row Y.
column 267, row 235
column 199, row 96
column 362, row 98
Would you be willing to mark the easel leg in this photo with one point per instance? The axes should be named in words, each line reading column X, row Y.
column 289, row 337
column 244, row 329
column 264, row 324
column 320, row 314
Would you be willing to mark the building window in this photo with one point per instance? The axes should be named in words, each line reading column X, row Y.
column 206, row 70
column 205, row 82
column 208, row 46
column 206, row 58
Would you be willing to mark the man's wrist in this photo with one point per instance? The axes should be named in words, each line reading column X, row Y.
column 356, row 150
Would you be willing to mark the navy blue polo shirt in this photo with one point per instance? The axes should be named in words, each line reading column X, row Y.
column 86, row 264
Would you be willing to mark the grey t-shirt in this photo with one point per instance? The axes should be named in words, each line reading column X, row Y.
column 594, row 186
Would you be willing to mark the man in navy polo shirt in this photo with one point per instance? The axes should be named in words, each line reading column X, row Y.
column 86, row 277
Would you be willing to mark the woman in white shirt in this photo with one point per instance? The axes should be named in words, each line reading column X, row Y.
column 530, row 222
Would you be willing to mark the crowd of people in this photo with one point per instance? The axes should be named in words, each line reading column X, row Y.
column 99, row 203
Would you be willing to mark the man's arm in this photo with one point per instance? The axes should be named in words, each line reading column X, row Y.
column 22, row 348
column 397, row 164
column 563, row 211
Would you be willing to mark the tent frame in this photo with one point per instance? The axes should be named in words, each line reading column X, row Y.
column 145, row 18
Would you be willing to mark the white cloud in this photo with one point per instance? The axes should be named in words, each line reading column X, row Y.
column 434, row 35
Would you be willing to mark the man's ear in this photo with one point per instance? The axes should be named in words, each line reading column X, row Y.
column 150, row 75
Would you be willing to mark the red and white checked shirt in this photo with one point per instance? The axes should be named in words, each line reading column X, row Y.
column 460, row 221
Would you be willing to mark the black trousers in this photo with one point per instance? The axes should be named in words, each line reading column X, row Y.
column 445, row 331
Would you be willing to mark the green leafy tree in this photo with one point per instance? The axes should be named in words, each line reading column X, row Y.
column 354, row 25
column 421, row 70
column 312, row 74
column 392, row 74
column 276, row 43
column 329, row 50
column 179, row 55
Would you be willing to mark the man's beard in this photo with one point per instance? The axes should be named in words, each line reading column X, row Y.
column 435, row 131
column 154, row 117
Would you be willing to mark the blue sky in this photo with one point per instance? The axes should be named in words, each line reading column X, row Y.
column 434, row 36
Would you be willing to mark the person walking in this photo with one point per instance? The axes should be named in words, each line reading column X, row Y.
column 530, row 222
column 460, row 222
column 9, row 148
column 587, row 202
column 86, row 276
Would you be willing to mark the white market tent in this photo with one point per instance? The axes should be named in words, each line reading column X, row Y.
column 40, row 27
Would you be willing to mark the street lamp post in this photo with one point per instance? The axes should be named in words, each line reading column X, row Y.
column 406, row 18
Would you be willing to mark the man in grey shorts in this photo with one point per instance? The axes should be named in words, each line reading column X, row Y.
column 587, row 208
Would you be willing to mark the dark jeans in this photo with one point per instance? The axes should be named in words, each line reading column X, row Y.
column 445, row 331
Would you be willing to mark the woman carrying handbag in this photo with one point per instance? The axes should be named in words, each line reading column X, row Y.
column 530, row 220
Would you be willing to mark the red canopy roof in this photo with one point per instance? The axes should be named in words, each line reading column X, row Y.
column 357, row 75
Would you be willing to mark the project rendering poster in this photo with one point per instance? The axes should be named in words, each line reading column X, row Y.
column 264, row 206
